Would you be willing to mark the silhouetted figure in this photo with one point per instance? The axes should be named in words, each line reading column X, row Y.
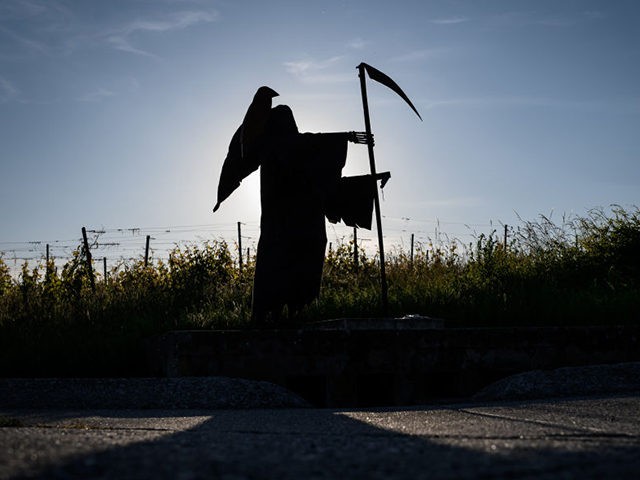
column 298, row 173
column 300, row 183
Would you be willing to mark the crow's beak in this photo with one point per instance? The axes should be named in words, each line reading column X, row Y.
column 269, row 91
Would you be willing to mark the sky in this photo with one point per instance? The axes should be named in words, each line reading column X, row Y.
column 117, row 115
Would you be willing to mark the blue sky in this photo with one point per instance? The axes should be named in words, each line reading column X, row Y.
column 117, row 114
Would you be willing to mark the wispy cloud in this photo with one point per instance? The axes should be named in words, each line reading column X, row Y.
column 449, row 20
column 52, row 28
column 122, row 43
column 117, row 87
column 8, row 91
column 122, row 38
column 38, row 27
column 96, row 95
column 12, row 9
column 317, row 71
column 32, row 30
column 25, row 42
column 303, row 67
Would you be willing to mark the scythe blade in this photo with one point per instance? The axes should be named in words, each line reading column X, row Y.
column 378, row 76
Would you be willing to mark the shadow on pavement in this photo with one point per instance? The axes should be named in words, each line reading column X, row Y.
column 284, row 444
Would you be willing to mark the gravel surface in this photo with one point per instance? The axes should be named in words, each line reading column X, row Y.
column 140, row 393
column 224, row 393
column 566, row 382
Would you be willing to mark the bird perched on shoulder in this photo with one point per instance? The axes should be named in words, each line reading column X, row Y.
column 255, row 119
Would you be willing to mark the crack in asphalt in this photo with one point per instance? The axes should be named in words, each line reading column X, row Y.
column 584, row 430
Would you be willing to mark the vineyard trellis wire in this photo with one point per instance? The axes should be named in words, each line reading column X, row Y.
column 120, row 245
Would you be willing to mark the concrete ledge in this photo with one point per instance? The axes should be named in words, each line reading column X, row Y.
column 408, row 322
column 367, row 367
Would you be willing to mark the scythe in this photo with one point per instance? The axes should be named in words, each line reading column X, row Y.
column 378, row 76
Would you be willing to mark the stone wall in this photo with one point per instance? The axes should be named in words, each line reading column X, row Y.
column 363, row 367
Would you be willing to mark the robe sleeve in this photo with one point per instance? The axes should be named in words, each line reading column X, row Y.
column 235, row 168
column 325, row 155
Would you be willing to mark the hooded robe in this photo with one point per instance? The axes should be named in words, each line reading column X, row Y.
column 298, row 172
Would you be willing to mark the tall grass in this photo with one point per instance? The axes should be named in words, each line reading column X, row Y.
column 583, row 270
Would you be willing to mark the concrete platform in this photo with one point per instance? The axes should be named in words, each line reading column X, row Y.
column 373, row 362
column 586, row 438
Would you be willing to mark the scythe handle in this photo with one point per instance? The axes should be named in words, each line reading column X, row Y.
column 376, row 198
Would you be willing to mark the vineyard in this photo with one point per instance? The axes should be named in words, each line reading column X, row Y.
column 63, row 321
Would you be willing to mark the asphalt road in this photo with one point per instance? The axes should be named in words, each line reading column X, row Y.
column 595, row 437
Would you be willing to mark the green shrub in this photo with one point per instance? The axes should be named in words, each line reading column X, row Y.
column 585, row 270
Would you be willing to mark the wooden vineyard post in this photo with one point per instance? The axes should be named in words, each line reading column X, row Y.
column 146, row 251
column 87, row 254
column 240, row 247
column 355, row 249
column 506, row 234
column 411, row 257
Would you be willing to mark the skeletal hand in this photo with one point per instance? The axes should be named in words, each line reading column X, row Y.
column 359, row 137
